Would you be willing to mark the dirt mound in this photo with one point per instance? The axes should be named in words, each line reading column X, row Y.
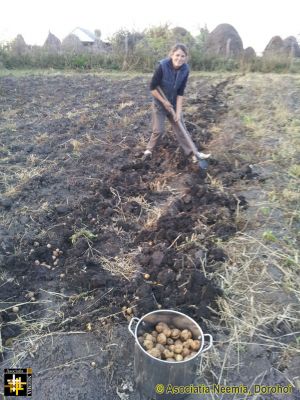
column 224, row 41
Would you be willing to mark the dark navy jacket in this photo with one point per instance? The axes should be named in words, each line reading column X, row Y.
column 172, row 80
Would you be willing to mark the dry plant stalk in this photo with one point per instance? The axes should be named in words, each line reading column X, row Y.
column 123, row 265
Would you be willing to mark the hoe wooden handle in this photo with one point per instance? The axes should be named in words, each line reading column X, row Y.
column 180, row 125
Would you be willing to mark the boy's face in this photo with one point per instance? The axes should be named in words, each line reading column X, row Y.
column 178, row 58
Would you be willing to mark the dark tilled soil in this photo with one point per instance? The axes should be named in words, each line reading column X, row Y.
column 72, row 178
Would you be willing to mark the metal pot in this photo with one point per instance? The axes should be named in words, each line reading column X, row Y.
column 154, row 376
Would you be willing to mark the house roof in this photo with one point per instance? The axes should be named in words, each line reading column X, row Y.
column 84, row 35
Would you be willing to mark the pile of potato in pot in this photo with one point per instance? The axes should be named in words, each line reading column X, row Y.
column 170, row 344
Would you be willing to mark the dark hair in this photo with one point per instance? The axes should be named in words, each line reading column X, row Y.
column 178, row 46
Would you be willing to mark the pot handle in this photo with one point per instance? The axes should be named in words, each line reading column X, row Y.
column 210, row 338
column 132, row 321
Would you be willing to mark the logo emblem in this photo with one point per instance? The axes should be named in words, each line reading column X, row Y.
column 18, row 382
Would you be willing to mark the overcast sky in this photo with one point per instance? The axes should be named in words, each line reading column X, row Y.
column 255, row 20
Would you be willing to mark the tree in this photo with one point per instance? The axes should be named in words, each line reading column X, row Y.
column 181, row 35
column 156, row 42
column 201, row 38
column 124, row 43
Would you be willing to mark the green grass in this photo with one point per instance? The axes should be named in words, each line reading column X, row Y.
column 82, row 233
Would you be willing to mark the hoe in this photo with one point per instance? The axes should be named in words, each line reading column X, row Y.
column 203, row 164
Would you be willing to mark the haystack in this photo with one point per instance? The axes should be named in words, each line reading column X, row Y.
column 224, row 41
column 291, row 47
column 18, row 46
column 72, row 43
column 52, row 43
column 274, row 47
column 249, row 54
